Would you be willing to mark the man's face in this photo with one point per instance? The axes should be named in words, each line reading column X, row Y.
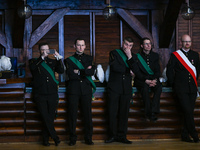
column 44, row 49
column 186, row 42
column 80, row 46
column 127, row 45
column 146, row 46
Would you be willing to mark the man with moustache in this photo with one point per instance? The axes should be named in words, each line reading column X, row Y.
column 182, row 73
column 80, row 87
column 148, row 63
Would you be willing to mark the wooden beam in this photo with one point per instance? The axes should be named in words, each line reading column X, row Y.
column 169, row 22
column 9, row 32
column 97, row 4
column 18, row 26
column 134, row 23
column 156, row 20
column 61, row 45
column 27, row 52
column 3, row 41
column 47, row 25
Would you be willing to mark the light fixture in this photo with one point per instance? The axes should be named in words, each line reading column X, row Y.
column 109, row 12
column 187, row 12
column 24, row 11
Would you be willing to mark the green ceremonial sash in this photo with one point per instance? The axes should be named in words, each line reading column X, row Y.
column 80, row 66
column 144, row 64
column 123, row 56
column 50, row 71
column 124, row 59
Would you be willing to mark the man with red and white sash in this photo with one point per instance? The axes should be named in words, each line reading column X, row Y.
column 182, row 73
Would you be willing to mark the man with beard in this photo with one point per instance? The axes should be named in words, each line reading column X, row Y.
column 182, row 73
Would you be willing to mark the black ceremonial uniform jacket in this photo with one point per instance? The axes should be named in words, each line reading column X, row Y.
column 152, row 60
column 42, row 81
column 78, row 83
column 179, row 77
column 120, row 79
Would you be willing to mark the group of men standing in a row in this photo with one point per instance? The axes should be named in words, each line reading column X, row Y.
column 182, row 72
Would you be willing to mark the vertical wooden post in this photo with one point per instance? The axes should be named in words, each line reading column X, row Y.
column 61, row 43
column 92, row 35
column 27, row 52
column 156, row 22
column 8, row 32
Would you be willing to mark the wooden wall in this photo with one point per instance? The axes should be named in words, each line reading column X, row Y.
column 106, row 37
column 190, row 27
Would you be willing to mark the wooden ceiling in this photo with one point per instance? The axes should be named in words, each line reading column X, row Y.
column 87, row 4
column 170, row 9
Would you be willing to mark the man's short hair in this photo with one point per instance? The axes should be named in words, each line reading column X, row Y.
column 78, row 39
column 129, row 39
column 143, row 39
column 42, row 44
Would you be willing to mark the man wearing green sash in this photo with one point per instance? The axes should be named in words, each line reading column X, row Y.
column 45, row 89
column 148, row 63
column 119, row 91
column 80, row 89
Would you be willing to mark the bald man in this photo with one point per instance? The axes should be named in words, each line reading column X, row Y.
column 182, row 73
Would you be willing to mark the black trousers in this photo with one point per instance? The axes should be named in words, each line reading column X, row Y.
column 118, row 110
column 47, row 105
column 151, row 106
column 187, row 104
column 86, row 112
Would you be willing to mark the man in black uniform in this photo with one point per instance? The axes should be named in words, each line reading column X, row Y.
column 45, row 89
column 119, row 90
column 148, row 63
column 182, row 73
column 79, row 69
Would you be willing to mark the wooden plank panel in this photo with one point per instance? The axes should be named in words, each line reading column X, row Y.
column 76, row 26
column 107, row 39
column 12, row 110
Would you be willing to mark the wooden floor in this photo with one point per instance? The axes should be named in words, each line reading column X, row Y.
column 100, row 145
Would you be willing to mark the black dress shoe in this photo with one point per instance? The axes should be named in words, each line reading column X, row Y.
column 57, row 141
column 196, row 140
column 153, row 117
column 147, row 118
column 89, row 142
column 71, row 143
column 46, row 143
column 110, row 140
column 124, row 140
column 186, row 139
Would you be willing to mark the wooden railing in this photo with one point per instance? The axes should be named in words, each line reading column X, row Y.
column 20, row 120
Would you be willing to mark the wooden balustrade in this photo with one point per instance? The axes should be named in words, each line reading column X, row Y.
column 20, row 120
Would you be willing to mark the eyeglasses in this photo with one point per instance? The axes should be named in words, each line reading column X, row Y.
column 186, row 41
column 147, row 44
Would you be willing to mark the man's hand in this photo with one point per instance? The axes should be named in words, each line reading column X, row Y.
column 128, row 53
column 132, row 74
column 89, row 67
column 76, row 71
column 151, row 83
column 44, row 54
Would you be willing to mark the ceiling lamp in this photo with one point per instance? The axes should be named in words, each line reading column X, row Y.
column 109, row 12
column 187, row 12
column 24, row 11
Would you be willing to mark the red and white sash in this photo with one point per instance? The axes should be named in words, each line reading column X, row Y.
column 187, row 64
